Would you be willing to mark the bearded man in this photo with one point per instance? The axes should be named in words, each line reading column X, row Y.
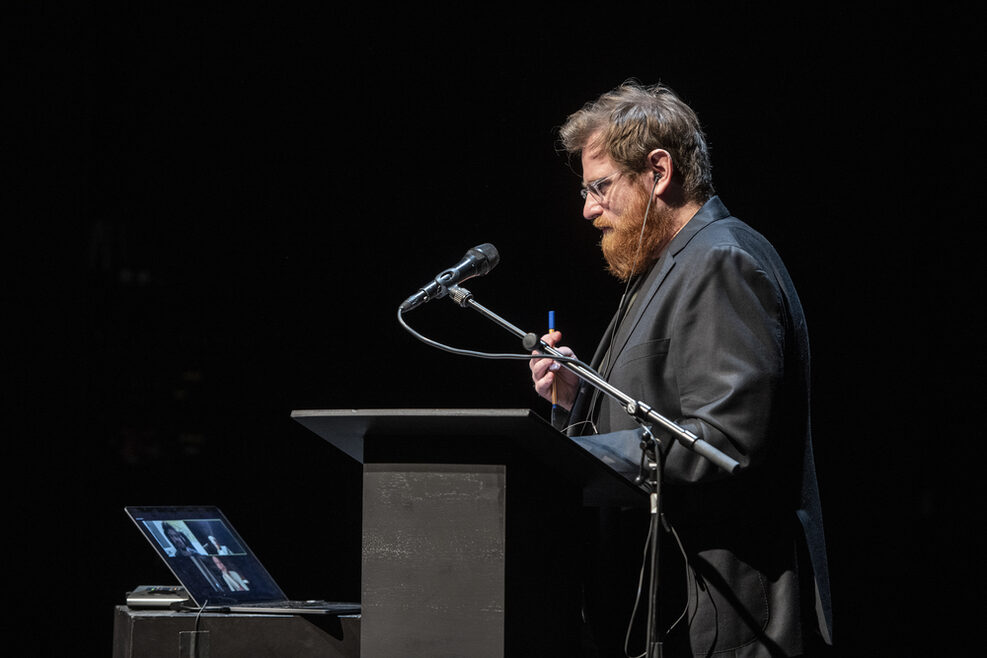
column 710, row 332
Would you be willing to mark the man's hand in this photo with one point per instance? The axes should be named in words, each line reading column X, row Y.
column 545, row 372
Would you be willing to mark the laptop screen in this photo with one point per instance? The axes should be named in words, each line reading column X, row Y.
column 206, row 554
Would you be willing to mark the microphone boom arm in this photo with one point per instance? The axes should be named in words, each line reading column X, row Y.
column 637, row 409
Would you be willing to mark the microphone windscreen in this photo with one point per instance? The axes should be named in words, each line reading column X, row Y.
column 489, row 255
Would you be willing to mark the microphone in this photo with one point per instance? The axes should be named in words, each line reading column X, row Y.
column 478, row 261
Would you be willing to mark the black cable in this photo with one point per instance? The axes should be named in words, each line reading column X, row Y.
column 655, row 523
column 637, row 599
column 631, row 279
column 640, row 583
column 688, row 572
column 621, row 308
column 199, row 614
column 487, row 355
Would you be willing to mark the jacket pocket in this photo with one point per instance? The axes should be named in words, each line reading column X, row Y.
column 645, row 350
column 728, row 602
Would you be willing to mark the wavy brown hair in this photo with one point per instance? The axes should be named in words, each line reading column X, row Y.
column 633, row 120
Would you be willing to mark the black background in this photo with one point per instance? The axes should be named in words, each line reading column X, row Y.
column 217, row 211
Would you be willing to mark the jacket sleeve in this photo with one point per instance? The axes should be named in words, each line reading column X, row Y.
column 726, row 354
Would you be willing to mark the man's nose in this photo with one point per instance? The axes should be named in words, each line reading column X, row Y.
column 592, row 208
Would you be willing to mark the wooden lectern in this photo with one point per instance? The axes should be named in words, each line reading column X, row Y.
column 470, row 520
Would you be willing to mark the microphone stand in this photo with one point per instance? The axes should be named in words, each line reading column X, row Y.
column 651, row 472
column 643, row 414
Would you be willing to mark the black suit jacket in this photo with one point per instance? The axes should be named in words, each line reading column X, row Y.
column 715, row 339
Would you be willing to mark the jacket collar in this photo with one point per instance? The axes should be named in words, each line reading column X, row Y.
column 711, row 211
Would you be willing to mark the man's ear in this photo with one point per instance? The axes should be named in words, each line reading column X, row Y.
column 661, row 167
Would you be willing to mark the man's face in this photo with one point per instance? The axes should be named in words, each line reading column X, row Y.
column 618, row 211
column 606, row 208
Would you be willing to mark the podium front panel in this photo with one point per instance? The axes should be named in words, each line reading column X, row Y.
column 434, row 560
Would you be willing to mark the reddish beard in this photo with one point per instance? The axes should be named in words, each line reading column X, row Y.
column 626, row 251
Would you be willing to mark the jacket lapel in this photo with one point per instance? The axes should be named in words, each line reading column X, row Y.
column 645, row 293
column 711, row 211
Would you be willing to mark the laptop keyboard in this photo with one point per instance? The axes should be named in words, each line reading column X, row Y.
column 315, row 605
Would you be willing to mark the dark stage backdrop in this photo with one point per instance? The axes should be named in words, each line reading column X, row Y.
column 233, row 202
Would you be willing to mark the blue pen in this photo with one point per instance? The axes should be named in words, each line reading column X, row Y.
column 551, row 328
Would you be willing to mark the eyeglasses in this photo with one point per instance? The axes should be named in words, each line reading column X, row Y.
column 598, row 188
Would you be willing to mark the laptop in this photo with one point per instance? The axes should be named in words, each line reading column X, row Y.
column 215, row 566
